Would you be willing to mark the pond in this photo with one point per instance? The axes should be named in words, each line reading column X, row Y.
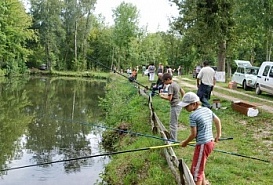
column 45, row 121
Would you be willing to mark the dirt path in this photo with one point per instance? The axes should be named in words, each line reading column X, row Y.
column 184, row 82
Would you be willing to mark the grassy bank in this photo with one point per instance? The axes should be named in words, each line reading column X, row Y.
column 252, row 138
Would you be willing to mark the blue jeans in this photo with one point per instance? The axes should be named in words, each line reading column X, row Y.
column 203, row 93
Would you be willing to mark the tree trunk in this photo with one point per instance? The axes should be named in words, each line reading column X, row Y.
column 222, row 56
column 75, row 43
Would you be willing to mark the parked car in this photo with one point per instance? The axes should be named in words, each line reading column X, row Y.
column 265, row 78
column 43, row 67
column 245, row 74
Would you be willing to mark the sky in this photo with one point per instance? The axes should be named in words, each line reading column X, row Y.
column 152, row 13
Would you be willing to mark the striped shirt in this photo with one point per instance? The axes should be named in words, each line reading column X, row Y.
column 202, row 119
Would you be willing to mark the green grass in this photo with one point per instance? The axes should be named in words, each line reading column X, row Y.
column 253, row 137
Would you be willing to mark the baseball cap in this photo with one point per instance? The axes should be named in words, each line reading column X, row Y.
column 188, row 98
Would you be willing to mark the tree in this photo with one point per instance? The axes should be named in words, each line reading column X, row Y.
column 125, row 29
column 48, row 23
column 209, row 23
column 14, row 33
column 77, row 16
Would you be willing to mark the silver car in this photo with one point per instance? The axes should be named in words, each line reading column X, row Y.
column 245, row 74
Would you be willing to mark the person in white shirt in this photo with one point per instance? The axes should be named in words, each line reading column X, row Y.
column 151, row 70
column 205, row 82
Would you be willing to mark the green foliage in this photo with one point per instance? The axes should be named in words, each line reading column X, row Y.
column 68, row 36
column 14, row 33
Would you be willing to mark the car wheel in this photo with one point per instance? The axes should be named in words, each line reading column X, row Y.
column 245, row 87
column 258, row 90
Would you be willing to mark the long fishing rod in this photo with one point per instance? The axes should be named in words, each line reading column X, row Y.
column 92, row 156
column 240, row 155
column 121, row 152
column 115, row 71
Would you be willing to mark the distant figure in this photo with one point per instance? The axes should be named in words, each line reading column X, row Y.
column 169, row 70
column 129, row 71
column 151, row 70
column 160, row 69
column 179, row 71
column 197, row 70
column 205, row 82
column 143, row 70
column 133, row 76
column 159, row 84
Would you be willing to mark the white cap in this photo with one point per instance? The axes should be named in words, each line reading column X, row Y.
column 188, row 98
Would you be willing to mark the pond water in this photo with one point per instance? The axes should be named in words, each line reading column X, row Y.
column 46, row 120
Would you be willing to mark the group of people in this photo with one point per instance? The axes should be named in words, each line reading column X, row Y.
column 201, row 117
column 151, row 70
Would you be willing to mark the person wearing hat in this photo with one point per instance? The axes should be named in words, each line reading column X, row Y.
column 201, row 119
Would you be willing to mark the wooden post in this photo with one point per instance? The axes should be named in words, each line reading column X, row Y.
column 181, row 172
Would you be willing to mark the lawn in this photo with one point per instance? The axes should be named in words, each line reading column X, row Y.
column 237, row 161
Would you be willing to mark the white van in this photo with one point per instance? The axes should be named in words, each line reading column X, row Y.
column 265, row 78
column 245, row 74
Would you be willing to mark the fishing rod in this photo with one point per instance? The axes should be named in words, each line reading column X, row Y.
column 115, row 71
column 240, row 155
column 121, row 152
column 132, row 132
column 92, row 156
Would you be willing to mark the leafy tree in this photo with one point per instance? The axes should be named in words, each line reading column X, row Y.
column 254, row 29
column 47, row 22
column 77, row 16
column 14, row 33
column 125, row 29
column 209, row 23
column 100, row 45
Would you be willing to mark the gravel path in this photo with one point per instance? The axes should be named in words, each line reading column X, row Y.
column 184, row 82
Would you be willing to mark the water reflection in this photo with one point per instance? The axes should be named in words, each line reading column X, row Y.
column 49, row 119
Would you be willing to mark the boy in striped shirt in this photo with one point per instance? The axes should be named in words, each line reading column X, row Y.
column 201, row 119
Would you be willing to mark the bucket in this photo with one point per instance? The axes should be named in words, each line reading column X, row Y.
column 216, row 104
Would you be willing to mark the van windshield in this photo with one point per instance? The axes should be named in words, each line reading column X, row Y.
column 252, row 71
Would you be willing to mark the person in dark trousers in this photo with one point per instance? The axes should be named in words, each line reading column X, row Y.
column 159, row 84
column 173, row 96
column 205, row 81
column 201, row 119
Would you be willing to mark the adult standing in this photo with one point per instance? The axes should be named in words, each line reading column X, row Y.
column 160, row 69
column 152, row 70
column 169, row 70
column 143, row 70
column 205, row 82
column 179, row 71
column 197, row 70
